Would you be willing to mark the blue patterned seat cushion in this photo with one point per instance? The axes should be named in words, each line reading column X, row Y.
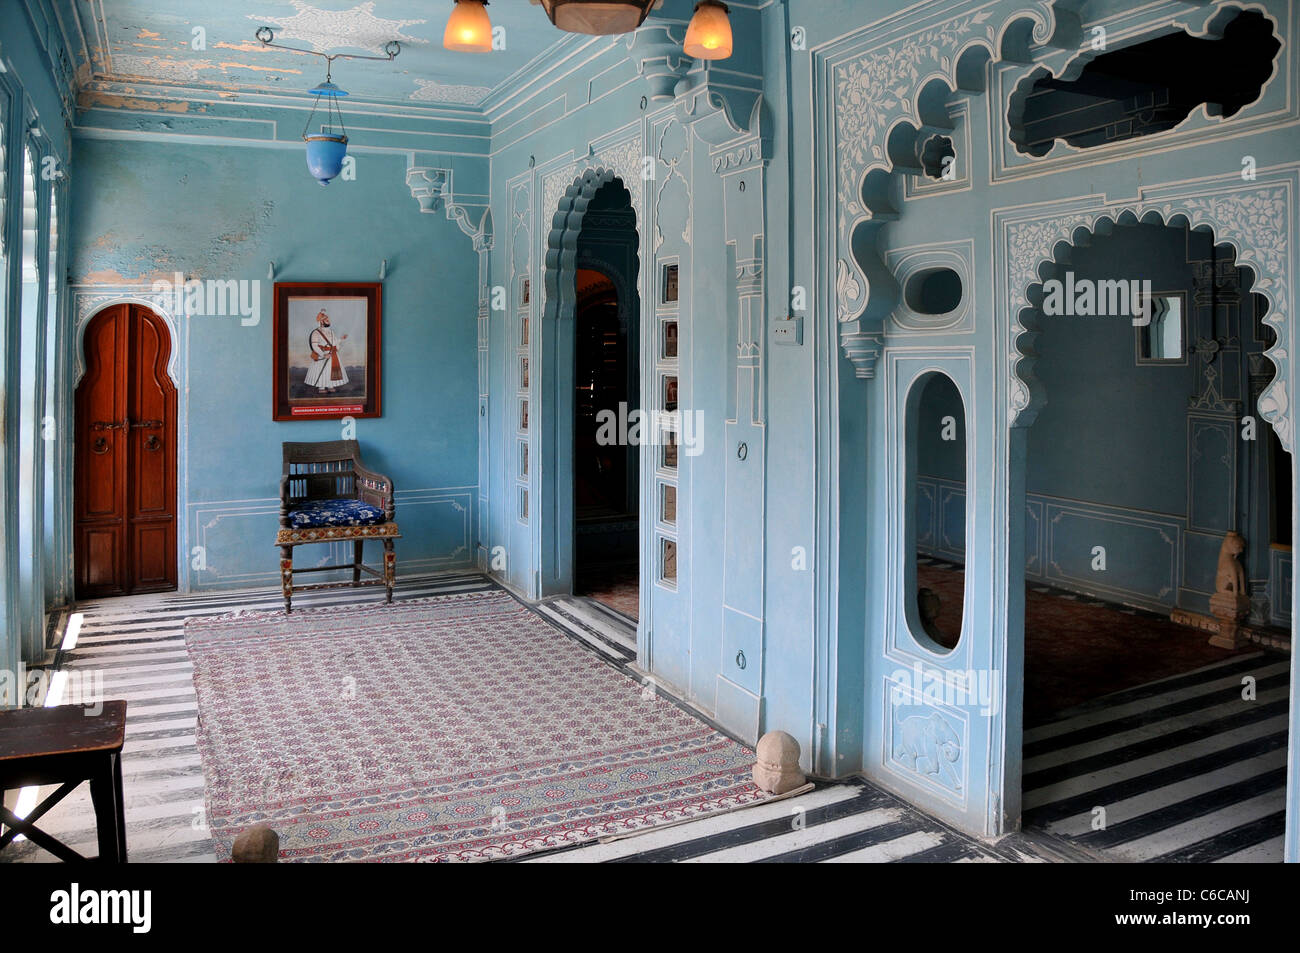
column 342, row 512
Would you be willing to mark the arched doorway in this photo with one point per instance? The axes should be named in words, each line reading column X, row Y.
column 125, row 457
column 1151, row 732
column 590, row 394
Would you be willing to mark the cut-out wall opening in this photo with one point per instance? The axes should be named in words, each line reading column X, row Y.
column 937, row 434
column 933, row 291
column 1145, row 88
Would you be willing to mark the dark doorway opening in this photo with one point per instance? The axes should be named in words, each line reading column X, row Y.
column 1280, row 477
column 606, row 446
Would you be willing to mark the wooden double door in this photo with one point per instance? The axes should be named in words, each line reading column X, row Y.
column 125, row 484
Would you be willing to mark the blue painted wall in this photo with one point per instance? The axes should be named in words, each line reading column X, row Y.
column 225, row 212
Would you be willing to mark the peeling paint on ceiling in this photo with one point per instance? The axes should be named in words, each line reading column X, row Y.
column 177, row 44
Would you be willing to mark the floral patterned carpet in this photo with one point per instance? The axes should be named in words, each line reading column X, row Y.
column 457, row 728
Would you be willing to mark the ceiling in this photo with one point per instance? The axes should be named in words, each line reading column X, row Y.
column 134, row 40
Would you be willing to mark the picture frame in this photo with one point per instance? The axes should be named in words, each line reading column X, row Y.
column 327, row 348
column 670, row 283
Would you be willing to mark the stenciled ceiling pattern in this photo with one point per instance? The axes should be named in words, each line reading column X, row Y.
column 204, row 44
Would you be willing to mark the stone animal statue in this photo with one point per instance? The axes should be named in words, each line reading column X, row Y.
column 1230, row 576
column 1230, row 603
column 928, row 745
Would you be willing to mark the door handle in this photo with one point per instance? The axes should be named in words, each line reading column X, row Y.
column 152, row 442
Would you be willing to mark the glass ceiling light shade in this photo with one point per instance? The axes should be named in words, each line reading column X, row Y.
column 326, row 149
column 598, row 17
column 469, row 30
column 709, row 35
column 325, row 155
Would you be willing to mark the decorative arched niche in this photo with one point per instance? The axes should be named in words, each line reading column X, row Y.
column 892, row 94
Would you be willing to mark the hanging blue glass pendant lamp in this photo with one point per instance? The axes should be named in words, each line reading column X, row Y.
column 327, row 148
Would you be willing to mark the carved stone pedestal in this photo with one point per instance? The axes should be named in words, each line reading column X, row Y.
column 777, row 769
column 1230, row 609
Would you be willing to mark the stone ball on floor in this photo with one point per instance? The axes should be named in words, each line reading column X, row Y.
column 257, row 845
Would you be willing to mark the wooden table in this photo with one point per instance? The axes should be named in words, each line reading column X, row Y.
column 65, row 745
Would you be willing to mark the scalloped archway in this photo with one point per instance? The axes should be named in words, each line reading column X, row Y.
column 1254, row 219
column 553, row 412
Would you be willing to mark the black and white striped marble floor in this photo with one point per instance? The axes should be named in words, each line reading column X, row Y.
column 608, row 632
column 849, row 822
column 1184, row 769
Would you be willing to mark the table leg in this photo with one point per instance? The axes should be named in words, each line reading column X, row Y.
column 104, row 798
column 120, row 800
column 39, row 837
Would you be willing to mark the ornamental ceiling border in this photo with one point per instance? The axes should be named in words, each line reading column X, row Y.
column 1256, row 219
column 875, row 80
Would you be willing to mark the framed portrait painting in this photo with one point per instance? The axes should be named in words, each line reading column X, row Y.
column 327, row 345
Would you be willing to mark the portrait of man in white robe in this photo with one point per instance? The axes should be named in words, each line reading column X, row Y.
column 327, row 370
column 327, row 348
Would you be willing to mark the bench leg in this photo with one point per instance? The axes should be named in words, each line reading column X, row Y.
column 356, row 561
column 121, row 807
column 390, row 568
column 286, row 577
column 106, row 796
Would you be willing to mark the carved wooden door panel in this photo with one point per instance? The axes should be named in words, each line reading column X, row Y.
column 125, row 485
